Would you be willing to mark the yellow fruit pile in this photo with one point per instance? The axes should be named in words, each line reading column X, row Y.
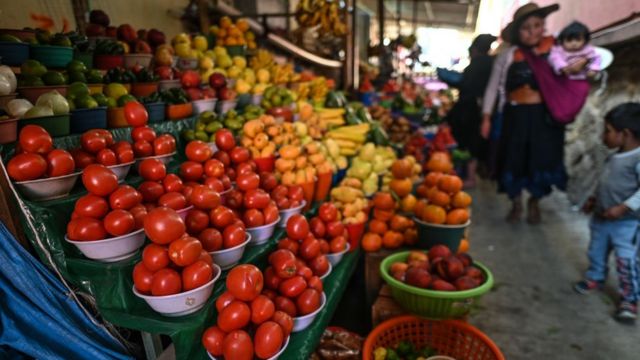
column 350, row 201
column 300, row 164
column 256, row 136
column 350, row 138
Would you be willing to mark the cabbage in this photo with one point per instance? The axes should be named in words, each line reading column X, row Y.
column 17, row 107
column 55, row 101
column 39, row 111
column 8, row 73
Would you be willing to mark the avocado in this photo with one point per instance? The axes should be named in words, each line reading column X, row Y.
column 53, row 78
column 32, row 68
column 202, row 136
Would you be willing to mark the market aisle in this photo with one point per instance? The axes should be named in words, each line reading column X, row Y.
column 532, row 312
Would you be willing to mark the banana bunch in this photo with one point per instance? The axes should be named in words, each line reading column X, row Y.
column 326, row 13
column 349, row 138
column 319, row 88
column 283, row 73
column 262, row 60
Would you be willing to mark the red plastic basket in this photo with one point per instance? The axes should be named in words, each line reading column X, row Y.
column 453, row 338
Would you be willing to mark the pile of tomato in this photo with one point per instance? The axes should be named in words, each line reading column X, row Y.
column 329, row 231
column 218, row 229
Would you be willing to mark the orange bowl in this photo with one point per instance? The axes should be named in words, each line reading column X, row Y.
column 143, row 89
column 265, row 164
column 355, row 234
column 308, row 189
column 115, row 118
column 323, row 186
column 179, row 111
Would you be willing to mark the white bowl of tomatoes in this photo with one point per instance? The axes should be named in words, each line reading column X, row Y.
column 183, row 303
column 302, row 322
column 183, row 212
column 274, row 357
column 121, row 170
column 335, row 258
column 329, row 270
column 261, row 234
column 48, row 188
column 227, row 258
column 112, row 249
column 285, row 214
column 166, row 159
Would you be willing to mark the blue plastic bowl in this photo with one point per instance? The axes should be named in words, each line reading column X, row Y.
column 156, row 112
column 13, row 54
column 87, row 119
column 52, row 56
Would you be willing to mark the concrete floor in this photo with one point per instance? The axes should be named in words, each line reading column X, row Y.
column 532, row 312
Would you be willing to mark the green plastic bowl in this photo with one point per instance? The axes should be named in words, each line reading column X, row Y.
column 434, row 234
column 433, row 304
column 52, row 56
column 56, row 125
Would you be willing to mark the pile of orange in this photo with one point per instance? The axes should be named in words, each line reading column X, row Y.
column 401, row 184
column 230, row 34
column 387, row 228
column 442, row 200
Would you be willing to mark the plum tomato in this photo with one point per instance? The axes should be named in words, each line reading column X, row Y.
column 151, row 191
column 233, row 235
column 82, row 158
column 268, row 181
column 297, row 227
column 246, row 182
column 244, row 168
column 206, row 257
column 234, row 199
column 86, row 229
column 172, row 182
column 223, row 300
column 290, row 245
column 143, row 133
column 99, row 180
column 135, row 114
column 253, row 218
column 196, row 275
column 198, row 151
column 295, row 193
column 338, row 244
column 163, row 225
column 221, row 217
column 324, row 246
column 308, row 302
column 335, row 228
column 196, row 221
column 234, row 316
column 214, row 168
column 166, row 282
column 35, row 139
column 191, row 171
column 107, row 157
column 305, row 272
column 283, row 263
column 92, row 142
column 164, row 145
column 309, row 249
column 315, row 283
column 214, row 184
column 262, row 309
column 271, row 280
column 284, row 320
column 237, row 345
column 285, row 305
column 155, row 257
column 225, row 140
column 256, row 199
column 142, row 149
column 125, row 156
column 239, row 155
column 204, row 198
column 139, row 212
column 173, row 200
column 152, row 170
column 292, row 287
column 245, row 282
column 211, row 239
column 185, row 250
column 59, row 163
column 125, row 197
column 91, row 206
column 268, row 339
column 142, row 278
column 24, row 167
column 328, row 212
column 212, row 340
column 319, row 265
column 271, row 214
column 223, row 157
column 119, row 222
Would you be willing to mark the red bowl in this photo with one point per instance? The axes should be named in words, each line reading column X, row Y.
column 106, row 62
column 355, row 234
column 265, row 164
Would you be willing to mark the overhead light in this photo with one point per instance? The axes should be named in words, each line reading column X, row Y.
column 386, row 42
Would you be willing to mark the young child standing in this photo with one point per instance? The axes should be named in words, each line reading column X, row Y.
column 616, row 211
column 573, row 45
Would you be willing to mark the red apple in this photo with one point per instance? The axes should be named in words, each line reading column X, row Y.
column 126, row 33
column 164, row 72
column 208, row 93
column 217, row 81
column 156, row 37
column 194, row 93
column 142, row 47
column 95, row 30
column 226, row 94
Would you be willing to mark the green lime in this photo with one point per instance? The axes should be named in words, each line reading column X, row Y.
column 94, row 76
column 86, row 102
column 30, row 80
column 112, row 103
column 122, row 100
column 77, row 77
column 32, row 68
column 53, row 78
column 202, row 136
column 101, row 99
column 77, row 89
column 76, row 66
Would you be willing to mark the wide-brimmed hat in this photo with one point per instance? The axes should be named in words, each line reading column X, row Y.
column 524, row 12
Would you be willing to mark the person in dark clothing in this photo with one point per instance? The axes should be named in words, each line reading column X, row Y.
column 466, row 115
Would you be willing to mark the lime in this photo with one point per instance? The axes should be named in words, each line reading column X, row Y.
column 32, row 68
column 77, row 77
column 101, row 99
column 30, row 80
column 94, row 76
column 115, row 90
column 112, row 103
column 77, row 89
column 85, row 101
column 53, row 78
column 76, row 66
column 122, row 100
column 202, row 136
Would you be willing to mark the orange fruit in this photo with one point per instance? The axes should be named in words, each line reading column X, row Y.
column 411, row 236
column 371, row 242
column 457, row 217
column 408, row 203
column 463, row 247
column 440, row 161
column 392, row 239
column 242, row 25
column 401, row 169
column 450, row 184
column 384, row 215
column 432, row 179
column 434, row 214
column 383, row 201
column 461, row 200
column 419, row 208
column 440, row 198
column 225, row 22
column 378, row 226
column 422, row 190
column 399, row 223
column 401, row 187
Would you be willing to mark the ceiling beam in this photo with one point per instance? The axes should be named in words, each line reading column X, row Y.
column 429, row 9
column 471, row 10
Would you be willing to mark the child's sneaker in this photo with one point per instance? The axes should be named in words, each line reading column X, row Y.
column 627, row 313
column 586, row 286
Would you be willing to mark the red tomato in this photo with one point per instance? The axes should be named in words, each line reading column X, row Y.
column 163, row 225
column 285, row 321
column 82, row 158
column 85, row 229
column 268, row 181
column 234, row 316
column 35, row 139
column 93, row 141
column 324, row 246
column 246, row 182
column 237, row 345
column 239, row 155
column 59, row 163
column 204, row 198
column 271, row 280
column 135, row 114
column 319, row 265
column 253, row 218
column 283, row 203
column 309, row 249
column 99, row 180
column 296, row 193
column 91, row 206
column 211, row 239
column 191, row 171
column 221, row 217
column 335, row 228
column 152, row 170
column 271, row 213
column 166, row 282
column 151, row 191
column 297, row 227
column 214, row 168
column 196, row 221
column 256, row 199
column 120, row 145
column 107, row 157
column 225, row 140
column 142, row 149
column 305, row 272
column 245, row 282
column 285, row 305
column 125, row 197
column 125, row 156
column 223, row 300
column 198, row 151
column 106, row 135
column 234, row 199
column 163, row 145
column 143, row 133
column 268, row 339
column 172, row 182
column 284, row 263
column 290, row 245
column 212, row 340
column 243, row 169
column 270, row 294
column 185, row 250
column 196, row 275
column 204, row 256
column 292, row 287
column 224, row 158
column 315, row 283
column 318, row 228
column 23, row 167
column 308, row 302
column 338, row 244
column 155, row 257
column 226, row 182
column 328, row 212
column 139, row 212
column 233, row 235
column 174, row 200
column 142, row 278
column 214, row 184
column 119, row 222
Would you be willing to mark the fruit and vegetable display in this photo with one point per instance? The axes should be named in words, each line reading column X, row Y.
column 388, row 228
column 329, row 230
column 350, row 201
column 48, row 104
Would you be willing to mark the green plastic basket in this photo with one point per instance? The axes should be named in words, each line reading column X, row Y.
column 56, row 125
column 433, row 304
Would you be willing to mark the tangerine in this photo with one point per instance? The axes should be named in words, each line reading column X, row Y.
column 401, row 168
column 411, row 236
column 378, row 226
column 434, row 214
column 461, row 200
column 432, row 179
column 401, row 187
column 457, row 217
column 440, row 161
column 371, row 242
column 463, row 247
column 440, row 198
column 450, row 184
column 421, row 190
column 384, row 201
column 399, row 223
column 383, row 215
column 392, row 239
column 408, row 203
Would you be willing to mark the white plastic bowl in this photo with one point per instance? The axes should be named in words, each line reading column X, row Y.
column 328, row 272
column 49, row 188
column 226, row 105
column 261, row 234
column 166, row 159
column 274, row 357
column 187, row 64
column 130, row 60
column 200, row 106
column 168, row 84
column 112, row 249
column 183, row 303
column 213, row 146
column 184, row 212
column 256, row 99
column 302, row 322
column 287, row 213
column 334, row 259
column 227, row 258
column 121, row 170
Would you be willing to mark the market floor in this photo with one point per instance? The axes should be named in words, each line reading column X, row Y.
column 532, row 312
